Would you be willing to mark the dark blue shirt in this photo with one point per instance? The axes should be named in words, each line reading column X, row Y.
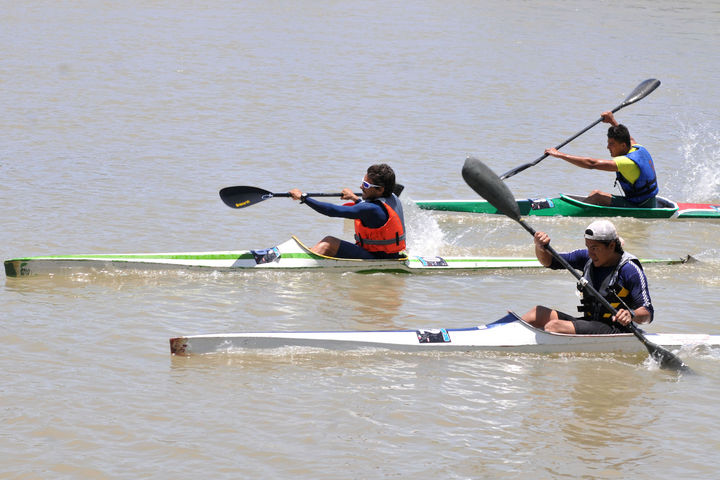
column 631, row 276
column 370, row 214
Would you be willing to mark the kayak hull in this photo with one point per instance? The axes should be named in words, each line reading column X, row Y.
column 573, row 206
column 509, row 334
column 290, row 255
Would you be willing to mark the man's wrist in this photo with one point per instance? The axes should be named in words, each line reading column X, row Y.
column 303, row 197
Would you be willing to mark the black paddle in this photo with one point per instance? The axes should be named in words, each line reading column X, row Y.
column 243, row 196
column 640, row 92
column 489, row 186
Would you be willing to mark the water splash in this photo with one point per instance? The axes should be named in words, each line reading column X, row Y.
column 425, row 237
column 697, row 178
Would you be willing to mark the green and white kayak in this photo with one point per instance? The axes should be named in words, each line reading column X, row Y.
column 573, row 206
column 290, row 255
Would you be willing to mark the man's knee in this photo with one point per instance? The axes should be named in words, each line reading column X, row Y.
column 560, row 326
column 553, row 326
column 327, row 246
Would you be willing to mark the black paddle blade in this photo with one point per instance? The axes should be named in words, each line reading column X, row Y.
column 669, row 361
column 489, row 186
column 641, row 91
column 665, row 358
column 241, row 196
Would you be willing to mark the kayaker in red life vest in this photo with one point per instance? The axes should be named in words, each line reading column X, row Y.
column 616, row 274
column 632, row 162
column 379, row 219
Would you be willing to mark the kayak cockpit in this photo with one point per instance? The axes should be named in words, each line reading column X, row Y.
column 662, row 203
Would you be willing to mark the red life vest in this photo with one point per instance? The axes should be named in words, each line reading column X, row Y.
column 390, row 238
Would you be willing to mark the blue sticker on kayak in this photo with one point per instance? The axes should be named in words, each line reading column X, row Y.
column 432, row 261
column 433, row 336
column 541, row 203
column 266, row 256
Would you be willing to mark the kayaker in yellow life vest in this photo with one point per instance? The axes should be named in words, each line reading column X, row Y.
column 632, row 162
column 378, row 215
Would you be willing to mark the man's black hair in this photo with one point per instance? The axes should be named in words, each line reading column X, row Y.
column 381, row 174
column 619, row 133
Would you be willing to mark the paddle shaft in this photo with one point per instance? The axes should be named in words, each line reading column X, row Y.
column 398, row 188
column 242, row 196
column 286, row 194
column 641, row 91
column 519, row 169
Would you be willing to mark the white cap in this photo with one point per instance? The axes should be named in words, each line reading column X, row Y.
column 601, row 230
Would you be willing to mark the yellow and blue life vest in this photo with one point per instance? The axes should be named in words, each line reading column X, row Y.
column 645, row 187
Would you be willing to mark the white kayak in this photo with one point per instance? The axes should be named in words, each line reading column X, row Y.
column 292, row 254
column 509, row 334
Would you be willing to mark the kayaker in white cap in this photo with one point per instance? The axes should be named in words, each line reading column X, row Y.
column 616, row 274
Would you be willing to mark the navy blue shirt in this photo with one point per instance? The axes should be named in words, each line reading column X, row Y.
column 631, row 276
column 370, row 214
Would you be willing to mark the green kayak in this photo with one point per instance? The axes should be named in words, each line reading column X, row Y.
column 573, row 206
